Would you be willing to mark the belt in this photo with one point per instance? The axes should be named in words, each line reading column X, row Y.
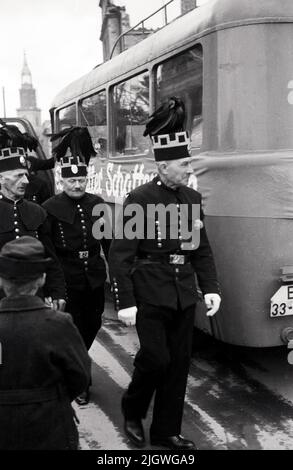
column 171, row 258
column 79, row 254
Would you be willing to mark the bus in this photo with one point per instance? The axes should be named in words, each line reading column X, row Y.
column 230, row 61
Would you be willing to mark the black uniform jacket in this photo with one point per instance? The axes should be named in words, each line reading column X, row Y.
column 37, row 190
column 44, row 365
column 155, row 281
column 71, row 225
column 27, row 218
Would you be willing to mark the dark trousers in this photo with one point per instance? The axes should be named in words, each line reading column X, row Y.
column 161, row 366
column 86, row 308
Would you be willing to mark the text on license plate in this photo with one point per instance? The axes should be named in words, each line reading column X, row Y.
column 282, row 302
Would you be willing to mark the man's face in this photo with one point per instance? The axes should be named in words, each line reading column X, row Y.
column 15, row 182
column 75, row 187
column 178, row 172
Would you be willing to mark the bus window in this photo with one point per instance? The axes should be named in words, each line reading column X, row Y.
column 93, row 114
column 131, row 110
column 182, row 76
column 66, row 117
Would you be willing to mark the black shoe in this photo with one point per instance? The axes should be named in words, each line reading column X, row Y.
column 134, row 431
column 173, row 442
column 83, row 398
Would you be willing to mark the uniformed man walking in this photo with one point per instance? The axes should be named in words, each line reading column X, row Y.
column 20, row 217
column 44, row 364
column 154, row 285
column 71, row 220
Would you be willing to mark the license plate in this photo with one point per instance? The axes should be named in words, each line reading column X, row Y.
column 282, row 302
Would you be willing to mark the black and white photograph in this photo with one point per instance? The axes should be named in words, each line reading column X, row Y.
column 146, row 229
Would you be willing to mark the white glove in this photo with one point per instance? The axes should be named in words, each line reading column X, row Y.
column 128, row 315
column 212, row 302
column 48, row 302
column 59, row 304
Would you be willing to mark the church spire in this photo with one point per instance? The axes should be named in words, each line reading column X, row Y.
column 26, row 76
column 28, row 101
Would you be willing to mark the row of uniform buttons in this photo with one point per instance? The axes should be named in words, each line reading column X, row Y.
column 84, row 233
column 179, row 223
column 16, row 228
column 158, row 228
column 116, row 295
column 62, row 234
column 159, row 233
column 16, row 221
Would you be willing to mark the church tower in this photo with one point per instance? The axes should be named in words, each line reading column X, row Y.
column 28, row 102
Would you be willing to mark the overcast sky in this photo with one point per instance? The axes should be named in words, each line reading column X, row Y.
column 61, row 41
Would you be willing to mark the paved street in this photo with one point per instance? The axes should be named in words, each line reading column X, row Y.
column 237, row 398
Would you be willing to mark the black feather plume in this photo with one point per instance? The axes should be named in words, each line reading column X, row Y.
column 11, row 136
column 168, row 118
column 78, row 140
column 36, row 164
column 30, row 141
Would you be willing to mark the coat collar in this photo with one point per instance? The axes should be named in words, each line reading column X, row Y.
column 9, row 201
column 158, row 182
column 31, row 215
column 63, row 207
column 21, row 303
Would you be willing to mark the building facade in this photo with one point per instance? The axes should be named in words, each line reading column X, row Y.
column 115, row 22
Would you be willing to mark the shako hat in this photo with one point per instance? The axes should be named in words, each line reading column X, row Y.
column 13, row 158
column 14, row 145
column 166, row 130
column 72, row 167
column 73, row 151
column 23, row 258
column 171, row 146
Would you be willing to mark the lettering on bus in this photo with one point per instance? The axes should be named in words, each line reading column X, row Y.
column 114, row 180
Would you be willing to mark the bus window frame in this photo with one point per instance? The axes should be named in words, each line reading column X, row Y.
column 58, row 110
column 172, row 55
column 81, row 99
column 111, row 127
column 150, row 68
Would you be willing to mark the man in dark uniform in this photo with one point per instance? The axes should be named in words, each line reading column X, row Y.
column 71, row 220
column 38, row 189
column 154, row 286
column 21, row 217
column 43, row 361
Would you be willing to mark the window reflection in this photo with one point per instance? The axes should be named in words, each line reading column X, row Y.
column 182, row 76
column 131, row 110
column 93, row 114
column 67, row 117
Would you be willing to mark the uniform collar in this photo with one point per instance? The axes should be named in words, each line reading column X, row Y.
column 157, row 180
column 63, row 207
column 10, row 201
column 29, row 214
